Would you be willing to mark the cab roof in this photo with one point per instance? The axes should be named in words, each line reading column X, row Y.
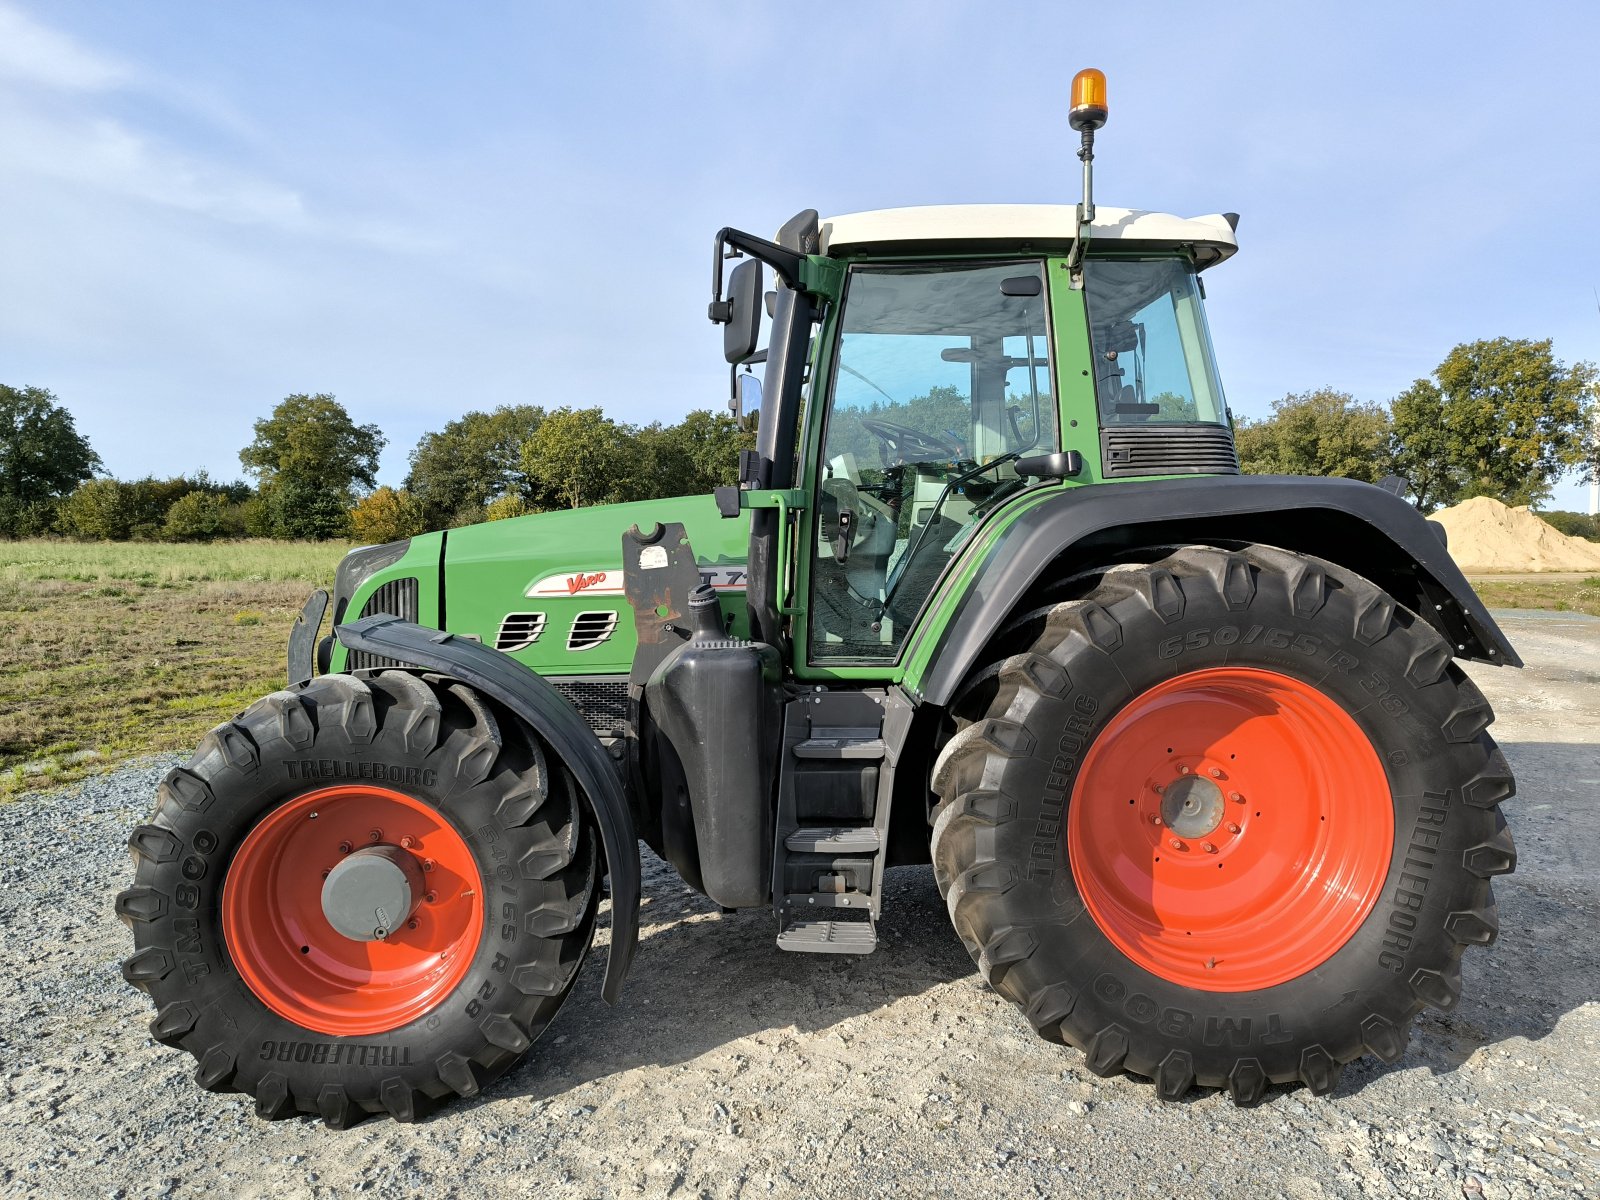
column 946, row 228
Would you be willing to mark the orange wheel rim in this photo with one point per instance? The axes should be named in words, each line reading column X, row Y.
column 302, row 968
column 1230, row 829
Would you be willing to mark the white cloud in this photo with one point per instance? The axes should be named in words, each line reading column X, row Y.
column 102, row 154
column 30, row 53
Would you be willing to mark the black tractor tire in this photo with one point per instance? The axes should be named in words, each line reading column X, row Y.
column 1025, row 724
column 489, row 778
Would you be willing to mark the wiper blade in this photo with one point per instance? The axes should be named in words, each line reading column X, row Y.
column 910, row 554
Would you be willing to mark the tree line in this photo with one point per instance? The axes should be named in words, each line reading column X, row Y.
column 1500, row 417
column 312, row 473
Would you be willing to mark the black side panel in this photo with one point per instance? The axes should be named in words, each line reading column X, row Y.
column 714, row 703
column 505, row 679
column 1356, row 525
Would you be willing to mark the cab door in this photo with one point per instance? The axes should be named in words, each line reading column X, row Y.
column 938, row 375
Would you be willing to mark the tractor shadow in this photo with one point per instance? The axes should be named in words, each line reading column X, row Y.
column 702, row 980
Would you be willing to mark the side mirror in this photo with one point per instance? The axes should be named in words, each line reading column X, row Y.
column 746, row 394
column 1062, row 464
column 743, row 307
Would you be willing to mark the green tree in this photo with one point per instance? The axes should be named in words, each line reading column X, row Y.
column 505, row 508
column 386, row 515
column 697, row 454
column 117, row 510
column 458, row 471
column 579, row 456
column 42, row 457
column 100, row 509
column 1323, row 432
column 1501, row 417
column 1582, row 525
column 311, row 460
column 202, row 516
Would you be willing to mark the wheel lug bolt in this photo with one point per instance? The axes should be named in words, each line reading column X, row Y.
column 411, row 924
column 431, row 897
column 1208, row 847
column 375, row 835
column 1176, row 844
column 1216, row 772
column 1235, row 797
column 1183, row 770
column 1155, row 818
column 1158, row 789
column 327, row 871
column 408, row 842
column 1232, row 828
column 345, row 847
column 427, row 864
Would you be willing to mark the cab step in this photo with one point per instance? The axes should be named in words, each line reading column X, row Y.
column 834, row 790
column 837, row 839
column 823, row 935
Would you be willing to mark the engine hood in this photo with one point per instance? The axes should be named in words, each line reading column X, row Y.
column 547, row 588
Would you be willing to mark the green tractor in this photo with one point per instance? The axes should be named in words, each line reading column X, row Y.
column 1188, row 750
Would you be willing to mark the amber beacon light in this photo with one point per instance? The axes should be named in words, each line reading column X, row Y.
column 1088, row 110
column 1088, row 113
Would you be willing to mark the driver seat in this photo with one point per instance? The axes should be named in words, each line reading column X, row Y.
column 866, row 568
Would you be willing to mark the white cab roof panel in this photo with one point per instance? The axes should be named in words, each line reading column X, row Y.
column 1021, row 226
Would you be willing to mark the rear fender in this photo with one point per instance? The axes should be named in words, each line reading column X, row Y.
column 1360, row 527
column 546, row 711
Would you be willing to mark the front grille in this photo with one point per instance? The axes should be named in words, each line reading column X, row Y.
column 590, row 629
column 519, row 631
column 398, row 598
column 1169, row 450
column 602, row 702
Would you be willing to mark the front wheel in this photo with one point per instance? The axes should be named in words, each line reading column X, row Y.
column 362, row 896
column 1229, row 820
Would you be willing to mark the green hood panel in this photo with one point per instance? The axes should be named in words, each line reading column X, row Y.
column 556, row 578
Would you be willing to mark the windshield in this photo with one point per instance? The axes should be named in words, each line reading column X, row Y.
column 942, row 378
column 1152, row 352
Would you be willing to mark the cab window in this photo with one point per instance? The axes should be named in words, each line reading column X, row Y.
column 942, row 378
column 1152, row 352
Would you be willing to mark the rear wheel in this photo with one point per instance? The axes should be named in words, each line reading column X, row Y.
column 363, row 896
column 1229, row 820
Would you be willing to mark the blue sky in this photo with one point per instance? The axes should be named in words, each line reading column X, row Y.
column 430, row 208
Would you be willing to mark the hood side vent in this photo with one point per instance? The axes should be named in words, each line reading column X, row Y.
column 591, row 629
column 520, row 630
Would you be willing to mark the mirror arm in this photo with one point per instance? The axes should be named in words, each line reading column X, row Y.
column 785, row 263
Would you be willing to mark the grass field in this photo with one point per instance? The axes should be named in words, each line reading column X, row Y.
column 108, row 651
column 1562, row 595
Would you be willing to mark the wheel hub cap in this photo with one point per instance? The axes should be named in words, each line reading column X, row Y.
column 371, row 892
column 1191, row 806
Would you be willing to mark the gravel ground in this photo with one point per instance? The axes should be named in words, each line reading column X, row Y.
column 733, row 1069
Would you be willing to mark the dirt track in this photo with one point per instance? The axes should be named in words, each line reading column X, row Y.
column 731, row 1068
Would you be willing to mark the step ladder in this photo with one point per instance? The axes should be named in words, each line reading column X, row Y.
column 834, row 789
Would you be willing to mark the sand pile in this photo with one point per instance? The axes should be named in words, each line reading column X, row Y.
column 1487, row 536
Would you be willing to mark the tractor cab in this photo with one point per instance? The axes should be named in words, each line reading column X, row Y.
column 955, row 360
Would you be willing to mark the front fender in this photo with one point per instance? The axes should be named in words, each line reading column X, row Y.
column 1358, row 526
column 525, row 693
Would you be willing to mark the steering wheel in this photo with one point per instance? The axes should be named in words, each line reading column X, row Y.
column 911, row 445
